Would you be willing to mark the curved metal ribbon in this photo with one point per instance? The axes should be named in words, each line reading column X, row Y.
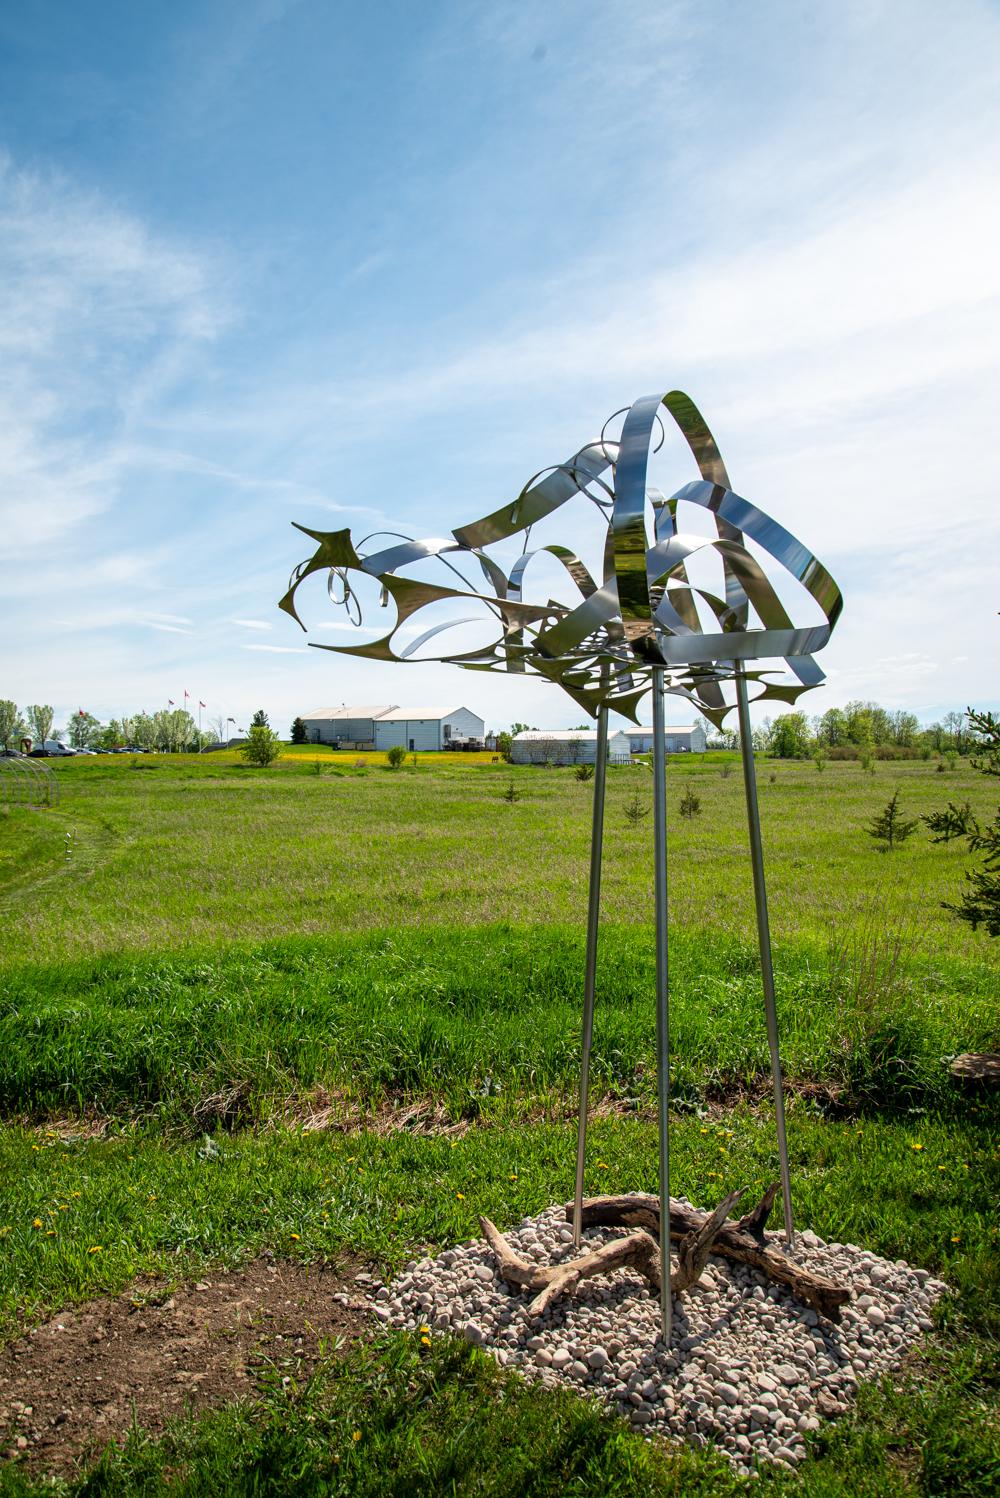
column 644, row 612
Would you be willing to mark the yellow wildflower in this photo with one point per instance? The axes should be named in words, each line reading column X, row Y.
column 97, row 1249
column 355, row 1435
column 916, row 1146
column 460, row 1196
column 37, row 1223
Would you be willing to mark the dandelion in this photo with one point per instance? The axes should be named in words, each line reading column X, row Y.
column 916, row 1146
column 294, row 1237
column 355, row 1435
column 601, row 1165
column 96, row 1249
column 37, row 1223
column 425, row 1341
column 956, row 1238
column 74, row 1193
column 513, row 1178
column 51, row 1233
column 704, row 1131
column 460, row 1196
column 942, row 1167
column 424, row 1329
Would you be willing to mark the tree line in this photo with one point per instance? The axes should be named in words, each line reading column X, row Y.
column 857, row 730
column 170, row 729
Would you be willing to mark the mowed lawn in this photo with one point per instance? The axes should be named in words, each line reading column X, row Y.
column 332, row 1010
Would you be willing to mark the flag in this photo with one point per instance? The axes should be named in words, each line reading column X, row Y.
column 170, row 702
column 202, row 704
column 186, row 692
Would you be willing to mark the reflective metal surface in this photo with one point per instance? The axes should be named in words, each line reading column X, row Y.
column 590, row 970
column 662, row 991
column 643, row 611
column 643, row 621
column 764, row 942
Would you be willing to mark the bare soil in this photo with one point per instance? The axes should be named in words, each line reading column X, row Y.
column 73, row 1385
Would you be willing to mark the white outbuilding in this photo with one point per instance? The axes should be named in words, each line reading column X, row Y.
column 562, row 746
column 687, row 738
column 423, row 728
column 382, row 725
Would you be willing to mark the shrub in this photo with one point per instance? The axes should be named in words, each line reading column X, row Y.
column 298, row 732
column 511, row 793
column 584, row 772
column 819, row 760
column 395, row 756
column 262, row 747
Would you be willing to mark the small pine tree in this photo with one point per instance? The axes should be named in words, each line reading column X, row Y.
column 584, row 772
column 299, row 735
column 511, row 793
column 690, row 805
column 260, row 719
column 890, row 826
column 954, row 821
column 980, row 904
column 636, row 810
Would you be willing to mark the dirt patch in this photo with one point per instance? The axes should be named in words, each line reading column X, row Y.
column 70, row 1387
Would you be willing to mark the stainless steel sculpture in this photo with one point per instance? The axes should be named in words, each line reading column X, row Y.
column 645, row 624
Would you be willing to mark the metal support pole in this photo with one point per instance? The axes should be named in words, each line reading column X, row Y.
column 764, row 940
column 590, row 976
column 662, row 991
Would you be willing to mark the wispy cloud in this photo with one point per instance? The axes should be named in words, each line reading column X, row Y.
column 278, row 649
column 95, row 312
column 251, row 623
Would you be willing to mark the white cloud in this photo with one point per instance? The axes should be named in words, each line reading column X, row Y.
column 251, row 623
column 278, row 649
column 97, row 317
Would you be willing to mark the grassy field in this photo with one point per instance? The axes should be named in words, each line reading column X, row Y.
column 332, row 1010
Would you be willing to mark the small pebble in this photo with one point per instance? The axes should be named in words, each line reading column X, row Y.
column 750, row 1369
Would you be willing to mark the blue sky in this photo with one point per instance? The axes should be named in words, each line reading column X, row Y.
column 264, row 262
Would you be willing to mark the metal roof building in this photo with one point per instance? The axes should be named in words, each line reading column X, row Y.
column 688, row 738
column 563, row 746
column 382, row 725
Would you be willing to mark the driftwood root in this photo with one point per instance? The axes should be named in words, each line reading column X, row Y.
column 699, row 1235
column 743, row 1241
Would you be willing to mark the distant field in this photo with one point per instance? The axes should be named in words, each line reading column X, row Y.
column 362, row 987
column 171, row 851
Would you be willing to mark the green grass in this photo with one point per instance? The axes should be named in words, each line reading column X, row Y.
column 184, row 850
column 482, row 1018
column 155, row 1206
column 225, row 949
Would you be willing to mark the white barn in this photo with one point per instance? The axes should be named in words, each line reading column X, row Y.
column 687, row 739
column 345, row 727
column 562, row 746
column 429, row 728
column 381, row 725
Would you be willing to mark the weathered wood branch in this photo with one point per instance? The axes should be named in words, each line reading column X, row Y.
column 639, row 1251
column 742, row 1241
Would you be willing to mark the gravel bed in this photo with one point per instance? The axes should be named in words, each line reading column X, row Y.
column 751, row 1369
